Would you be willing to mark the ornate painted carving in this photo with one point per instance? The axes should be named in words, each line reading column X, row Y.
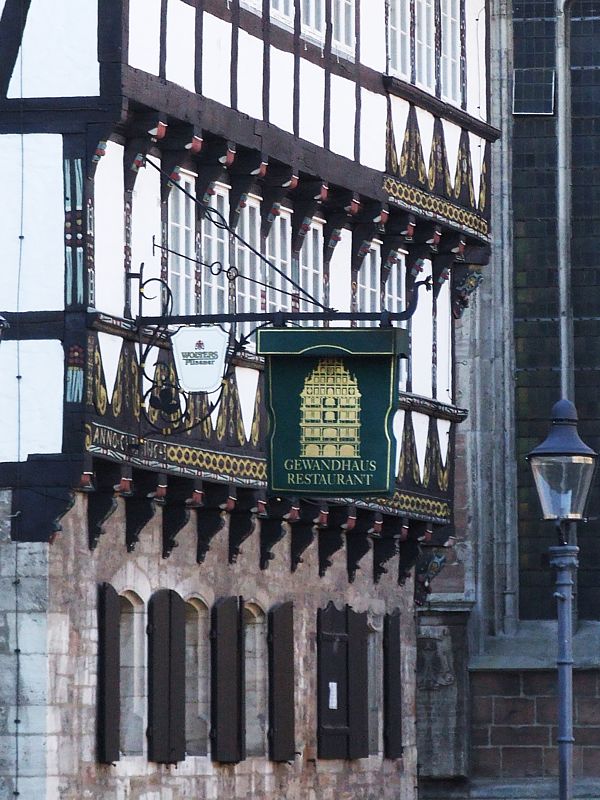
column 435, row 661
column 412, row 163
column 75, row 374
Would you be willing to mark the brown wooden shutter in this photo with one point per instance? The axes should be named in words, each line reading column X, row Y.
column 358, row 685
column 282, row 742
column 158, row 677
column 332, row 678
column 166, row 677
column 177, row 679
column 392, row 686
column 227, row 674
column 109, row 675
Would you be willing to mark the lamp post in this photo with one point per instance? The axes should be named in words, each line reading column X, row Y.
column 563, row 467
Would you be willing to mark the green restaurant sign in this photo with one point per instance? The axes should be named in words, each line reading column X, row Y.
column 331, row 397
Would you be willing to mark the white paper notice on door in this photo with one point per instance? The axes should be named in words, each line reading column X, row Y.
column 333, row 700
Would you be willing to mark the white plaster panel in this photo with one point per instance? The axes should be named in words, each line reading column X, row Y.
column 312, row 102
column 250, row 75
column 247, row 381
column 181, row 43
column 59, row 53
column 444, row 437
column 400, row 109
column 444, row 345
column 281, row 90
column 144, row 35
column 452, row 139
column 110, row 350
column 41, row 366
column 421, row 429
column 421, row 340
column 109, row 231
column 476, row 63
column 373, row 120
column 425, row 121
column 145, row 223
column 372, row 35
column 398, row 428
column 477, row 147
column 343, row 116
column 38, row 160
column 216, row 59
column 340, row 280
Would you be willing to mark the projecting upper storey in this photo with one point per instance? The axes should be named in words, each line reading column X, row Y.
column 343, row 89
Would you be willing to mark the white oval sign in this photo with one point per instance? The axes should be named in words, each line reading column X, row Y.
column 199, row 355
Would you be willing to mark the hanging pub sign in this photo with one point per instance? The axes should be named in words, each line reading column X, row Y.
column 331, row 395
column 199, row 355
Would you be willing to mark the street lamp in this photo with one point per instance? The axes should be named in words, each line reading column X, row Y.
column 563, row 467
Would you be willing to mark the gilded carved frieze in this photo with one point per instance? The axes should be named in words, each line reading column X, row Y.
column 422, row 182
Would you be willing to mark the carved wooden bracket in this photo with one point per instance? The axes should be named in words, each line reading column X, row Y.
column 242, row 519
column 358, row 540
column 176, row 511
column 139, row 505
column 301, row 518
column 273, row 527
column 102, row 499
column 210, row 518
column 386, row 534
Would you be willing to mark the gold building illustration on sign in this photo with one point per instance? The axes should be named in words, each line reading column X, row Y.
column 330, row 412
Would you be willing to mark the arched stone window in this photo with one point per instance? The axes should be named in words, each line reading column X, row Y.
column 132, row 674
column 256, row 679
column 197, row 678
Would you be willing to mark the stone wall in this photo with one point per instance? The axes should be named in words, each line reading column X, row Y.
column 28, row 726
column 63, row 764
column 514, row 730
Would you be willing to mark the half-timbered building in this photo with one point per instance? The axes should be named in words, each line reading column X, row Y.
column 169, row 628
